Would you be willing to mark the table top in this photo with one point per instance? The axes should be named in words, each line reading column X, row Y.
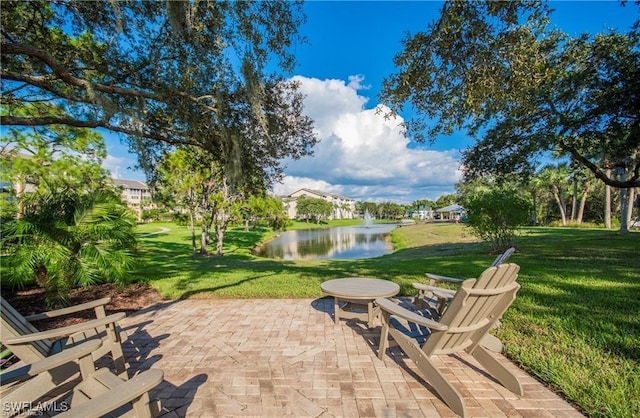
column 360, row 288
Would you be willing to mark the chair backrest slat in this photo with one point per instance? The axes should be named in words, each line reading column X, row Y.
column 475, row 308
column 13, row 325
column 502, row 258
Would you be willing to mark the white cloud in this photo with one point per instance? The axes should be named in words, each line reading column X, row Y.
column 114, row 165
column 120, row 168
column 362, row 155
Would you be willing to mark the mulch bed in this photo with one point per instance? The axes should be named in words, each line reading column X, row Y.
column 123, row 299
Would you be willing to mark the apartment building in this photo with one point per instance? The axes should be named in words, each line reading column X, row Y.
column 343, row 207
column 136, row 194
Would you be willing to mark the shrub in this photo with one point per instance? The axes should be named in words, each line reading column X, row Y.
column 495, row 214
column 67, row 239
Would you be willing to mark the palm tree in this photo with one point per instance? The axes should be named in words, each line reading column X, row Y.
column 66, row 239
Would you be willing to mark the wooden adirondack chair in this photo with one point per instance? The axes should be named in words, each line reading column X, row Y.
column 31, row 345
column 436, row 297
column 475, row 308
column 100, row 392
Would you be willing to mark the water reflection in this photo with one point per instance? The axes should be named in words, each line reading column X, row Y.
column 351, row 242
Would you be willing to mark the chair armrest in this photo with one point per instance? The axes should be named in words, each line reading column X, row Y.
column 51, row 362
column 66, row 311
column 399, row 311
column 445, row 293
column 117, row 396
column 445, row 279
column 66, row 331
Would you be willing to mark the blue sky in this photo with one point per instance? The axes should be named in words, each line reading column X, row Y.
column 349, row 52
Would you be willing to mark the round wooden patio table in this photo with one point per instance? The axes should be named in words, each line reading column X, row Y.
column 358, row 294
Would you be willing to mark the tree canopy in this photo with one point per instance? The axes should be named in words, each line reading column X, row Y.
column 523, row 89
column 311, row 207
column 201, row 73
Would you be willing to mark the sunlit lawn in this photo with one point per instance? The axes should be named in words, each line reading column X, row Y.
column 575, row 323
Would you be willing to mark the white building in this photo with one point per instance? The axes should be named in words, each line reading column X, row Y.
column 343, row 207
column 422, row 214
column 451, row 212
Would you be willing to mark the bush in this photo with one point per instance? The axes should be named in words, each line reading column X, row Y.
column 181, row 219
column 495, row 214
column 68, row 239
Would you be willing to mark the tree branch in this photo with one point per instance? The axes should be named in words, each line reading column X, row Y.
column 633, row 181
column 67, row 77
column 42, row 82
column 59, row 120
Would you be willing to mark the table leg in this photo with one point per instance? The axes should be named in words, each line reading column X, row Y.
column 355, row 309
column 371, row 313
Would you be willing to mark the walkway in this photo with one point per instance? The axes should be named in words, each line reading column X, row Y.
column 287, row 358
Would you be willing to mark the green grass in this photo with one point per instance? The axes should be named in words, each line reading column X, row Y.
column 575, row 323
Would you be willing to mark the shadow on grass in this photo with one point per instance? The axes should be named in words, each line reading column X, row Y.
column 168, row 260
column 183, row 284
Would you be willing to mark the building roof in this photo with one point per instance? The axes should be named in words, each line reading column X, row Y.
column 319, row 193
column 451, row 208
column 130, row 184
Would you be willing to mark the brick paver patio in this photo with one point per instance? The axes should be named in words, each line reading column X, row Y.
column 280, row 357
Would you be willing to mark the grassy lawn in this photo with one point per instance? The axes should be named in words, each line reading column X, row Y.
column 575, row 323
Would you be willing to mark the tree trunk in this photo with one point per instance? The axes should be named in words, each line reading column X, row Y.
column 535, row 208
column 220, row 236
column 42, row 276
column 631, row 198
column 583, row 202
column 562, row 205
column 203, row 240
column 222, row 222
column 607, row 203
column 19, row 190
column 192, row 226
column 624, row 199
column 574, row 199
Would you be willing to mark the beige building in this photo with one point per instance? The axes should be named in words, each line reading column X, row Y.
column 136, row 194
column 343, row 207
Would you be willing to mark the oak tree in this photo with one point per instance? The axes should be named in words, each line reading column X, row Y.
column 164, row 74
column 523, row 89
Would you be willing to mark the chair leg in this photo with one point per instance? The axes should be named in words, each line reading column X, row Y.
column 116, row 351
column 418, row 300
column 384, row 335
column 431, row 374
column 497, row 370
column 142, row 406
column 441, row 304
column 118, row 360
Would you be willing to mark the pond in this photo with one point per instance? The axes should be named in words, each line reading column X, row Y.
column 347, row 242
